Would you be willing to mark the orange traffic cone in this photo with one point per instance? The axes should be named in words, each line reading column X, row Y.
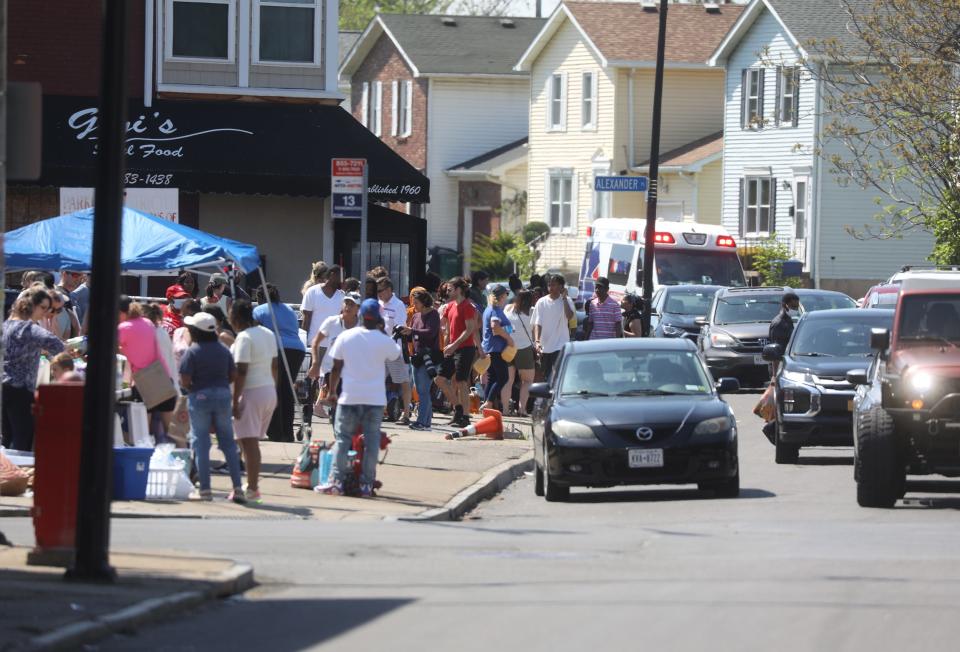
column 490, row 426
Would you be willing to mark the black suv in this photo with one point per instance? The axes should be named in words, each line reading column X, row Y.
column 735, row 331
column 814, row 398
column 675, row 309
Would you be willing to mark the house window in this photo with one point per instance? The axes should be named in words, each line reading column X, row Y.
column 560, row 199
column 556, row 107
column 588, row 103
column 788, row 85
column 375, row 113
column 800, row 209
column 758, row 205
column 751, row 110
column 200, row 29
column 286, row 31
column 402, row 121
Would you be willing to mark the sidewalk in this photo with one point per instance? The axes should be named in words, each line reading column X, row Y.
column 421, row 475
column 43, row 612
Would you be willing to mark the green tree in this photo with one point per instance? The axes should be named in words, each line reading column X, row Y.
column 768, row 257
column 356, row 14
column 892, row 96
column 501, row 255
column 533, row 230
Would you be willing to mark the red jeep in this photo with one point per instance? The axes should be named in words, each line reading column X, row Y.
column 907, row 407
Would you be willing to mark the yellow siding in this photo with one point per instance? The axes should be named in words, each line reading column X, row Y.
column 710, row 193
column 512, row 183
column 573, row 148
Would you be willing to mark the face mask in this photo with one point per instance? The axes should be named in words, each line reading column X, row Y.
column 178, row 303
column 793, row 313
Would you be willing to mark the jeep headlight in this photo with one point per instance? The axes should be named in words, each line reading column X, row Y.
column 572, row 430
column 921, row 382
column 722, row 341
column 672, row 331
column 713, row 426
column 798, row 377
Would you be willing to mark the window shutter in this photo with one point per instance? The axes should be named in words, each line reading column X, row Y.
column 772, row 228
column 378, row 99
column 548, row 103
column 595, row 105
column 365, row 105
column 563, row 101
column 760, row 84
column 547, row 217
column 408, row 123
column 574, row 192
column 744, row 97
column 780, row 89
column 796, row 96
column 740, row 211
column 394, row 106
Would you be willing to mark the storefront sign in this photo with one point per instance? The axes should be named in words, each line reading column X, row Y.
column 162, row 202
column 225, row 147
column 348, row 180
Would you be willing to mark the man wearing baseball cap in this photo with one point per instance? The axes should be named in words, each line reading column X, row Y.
column 360, row 356
column 172, row 319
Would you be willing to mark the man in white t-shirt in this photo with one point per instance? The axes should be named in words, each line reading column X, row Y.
column 321, row 301
column 551, row 323
column 328, row 332
column 359, row 357
column 394, row 313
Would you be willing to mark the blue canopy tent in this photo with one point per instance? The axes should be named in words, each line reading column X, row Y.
column 150, row 244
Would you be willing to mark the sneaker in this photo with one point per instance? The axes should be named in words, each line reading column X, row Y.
column 418, row 426
column 403, row 421
column 366, row 491
column 253, row 496
column 331, row 489
column 237, row 497
column 205, row 495
column 221, row 468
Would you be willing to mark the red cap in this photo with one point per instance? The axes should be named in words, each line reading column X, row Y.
column 177, row 292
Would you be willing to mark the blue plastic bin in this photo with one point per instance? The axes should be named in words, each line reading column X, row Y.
column 131, row 466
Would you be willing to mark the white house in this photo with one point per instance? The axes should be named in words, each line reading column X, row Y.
column 777, row 175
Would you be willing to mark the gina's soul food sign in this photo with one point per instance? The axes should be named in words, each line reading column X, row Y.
column 150, row 134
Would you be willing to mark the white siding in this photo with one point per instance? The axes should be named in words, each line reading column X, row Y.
column 780, row 148
column 572, row 148
column 467, row 118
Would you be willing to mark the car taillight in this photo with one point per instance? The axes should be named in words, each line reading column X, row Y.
column 664, row 238
column 726, row 241
column 633, row 236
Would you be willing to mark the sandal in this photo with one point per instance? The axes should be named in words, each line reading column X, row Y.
column 403, row 421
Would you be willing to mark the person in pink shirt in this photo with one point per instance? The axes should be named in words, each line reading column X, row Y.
column 137, row 340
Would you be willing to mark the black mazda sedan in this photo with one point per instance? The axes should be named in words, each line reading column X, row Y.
column 814, row 399
column 633, row 411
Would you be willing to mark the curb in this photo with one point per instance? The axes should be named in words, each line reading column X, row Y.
column 236, row 580
column 493, row 482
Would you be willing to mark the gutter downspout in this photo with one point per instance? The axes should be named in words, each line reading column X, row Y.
column 148, row 33
column 633, row 144
column 818, row 181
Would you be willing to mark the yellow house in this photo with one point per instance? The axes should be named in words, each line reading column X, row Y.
column 591, row 96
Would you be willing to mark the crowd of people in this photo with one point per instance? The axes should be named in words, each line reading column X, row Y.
column 231, row 363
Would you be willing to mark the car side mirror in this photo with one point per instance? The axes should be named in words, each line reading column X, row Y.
column 857, row 377
column 772, row 353
column 700, row 321
column 728, row 385
column 541, row 390
column 879, row 339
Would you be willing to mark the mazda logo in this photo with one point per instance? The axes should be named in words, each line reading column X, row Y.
column 644, row 433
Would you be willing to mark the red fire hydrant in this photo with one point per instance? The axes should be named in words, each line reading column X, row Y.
column 58, row 413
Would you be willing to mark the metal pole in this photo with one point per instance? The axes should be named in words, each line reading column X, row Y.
column 654, row 174
column 363, row 225
column 93, row 513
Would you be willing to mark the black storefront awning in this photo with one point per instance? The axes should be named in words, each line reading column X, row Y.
column 228, row 147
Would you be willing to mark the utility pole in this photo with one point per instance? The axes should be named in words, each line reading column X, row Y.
column 93, row 514
column 654, row 172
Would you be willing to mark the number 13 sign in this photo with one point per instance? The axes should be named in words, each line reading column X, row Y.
column 348, row 184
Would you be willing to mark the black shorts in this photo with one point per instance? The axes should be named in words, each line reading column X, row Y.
column 460, row 364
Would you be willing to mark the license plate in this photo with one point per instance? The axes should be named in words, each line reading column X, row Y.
column 850, row 405
column 645, row 458
column 758, row 360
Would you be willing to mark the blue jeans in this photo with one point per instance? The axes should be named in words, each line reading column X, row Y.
column 350, row 419
column 424, row 382
column 208, row 408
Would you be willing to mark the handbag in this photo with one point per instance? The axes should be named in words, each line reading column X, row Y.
column 509, row 353
column 154, row 384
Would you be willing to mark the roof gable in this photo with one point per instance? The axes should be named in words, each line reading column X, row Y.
column 449, row 45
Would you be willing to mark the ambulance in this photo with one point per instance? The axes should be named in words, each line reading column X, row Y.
column 685, row 253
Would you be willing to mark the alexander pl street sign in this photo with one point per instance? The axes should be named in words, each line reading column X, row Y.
column 620, row 184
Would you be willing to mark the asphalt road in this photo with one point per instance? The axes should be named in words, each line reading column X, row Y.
column 794, row 564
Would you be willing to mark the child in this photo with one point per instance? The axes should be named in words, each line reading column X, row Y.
column 61, row 364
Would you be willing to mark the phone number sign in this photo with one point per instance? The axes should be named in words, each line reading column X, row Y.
column 348, row 182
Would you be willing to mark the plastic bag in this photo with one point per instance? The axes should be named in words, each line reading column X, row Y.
column 766, row 407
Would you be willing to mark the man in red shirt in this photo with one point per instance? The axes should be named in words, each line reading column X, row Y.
column 172, row 319
column 461, row 351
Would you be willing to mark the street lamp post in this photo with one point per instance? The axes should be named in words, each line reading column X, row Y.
column 654, row 172
column 93, row 500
